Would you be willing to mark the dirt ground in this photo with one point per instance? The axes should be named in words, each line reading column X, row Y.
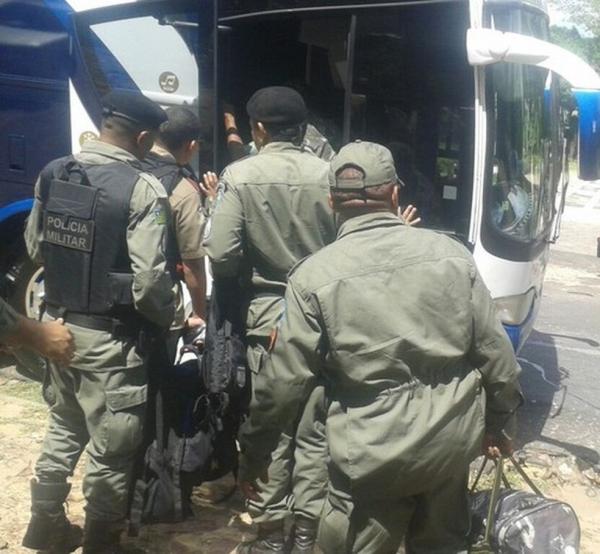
column 217, row 527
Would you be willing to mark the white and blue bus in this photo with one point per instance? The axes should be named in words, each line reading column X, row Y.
column 465, row 93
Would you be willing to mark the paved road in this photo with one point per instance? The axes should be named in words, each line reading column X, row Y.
column 561, row 360
column 584, row 194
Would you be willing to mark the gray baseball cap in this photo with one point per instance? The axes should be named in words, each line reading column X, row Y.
column 374, row 160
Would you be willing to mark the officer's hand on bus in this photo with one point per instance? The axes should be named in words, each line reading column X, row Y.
column 495, row 445
column 229, row 116
column 209, row 185
column 54, row 341
column 410, row 215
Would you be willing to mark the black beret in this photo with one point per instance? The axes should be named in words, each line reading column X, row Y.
column 280, row 105
column 133, row 106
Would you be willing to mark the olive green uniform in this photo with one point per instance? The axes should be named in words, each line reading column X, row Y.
column 400, row 325
column 271, row 211
column 189, row 216
column 101, row 397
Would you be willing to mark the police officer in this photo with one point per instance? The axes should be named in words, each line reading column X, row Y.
column 169, row 159
column 313, row 140
column 271, row 211
column 49, row 339
column 402, row 327
column 98, row 226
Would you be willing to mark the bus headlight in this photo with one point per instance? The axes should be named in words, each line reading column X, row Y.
column 514, row 310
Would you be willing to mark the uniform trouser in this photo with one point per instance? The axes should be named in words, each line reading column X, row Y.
column 105, row 411
column 298, row 470
column 434, row 522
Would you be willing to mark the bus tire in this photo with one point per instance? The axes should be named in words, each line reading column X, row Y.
column 27, row 284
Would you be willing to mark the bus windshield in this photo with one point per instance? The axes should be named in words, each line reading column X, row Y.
column 525, row 165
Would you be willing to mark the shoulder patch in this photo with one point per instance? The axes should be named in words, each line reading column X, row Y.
column 159, row 215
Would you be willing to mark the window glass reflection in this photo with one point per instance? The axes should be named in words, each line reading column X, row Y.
column 522, row 186
column 416, row 97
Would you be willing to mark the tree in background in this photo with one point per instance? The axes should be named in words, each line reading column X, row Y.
column 583, row 39
column 585, row 14
column 587, row 48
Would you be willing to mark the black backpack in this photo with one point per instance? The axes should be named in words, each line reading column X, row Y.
column 224, row 368
column 198, row 406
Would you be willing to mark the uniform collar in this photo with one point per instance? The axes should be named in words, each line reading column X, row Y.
column 368, row 221
column 163, row 153
column 279, row 147
column 109, row 151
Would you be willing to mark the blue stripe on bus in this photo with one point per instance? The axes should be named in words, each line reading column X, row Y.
column 18, row 207
column 588, row 102
column 515, row 332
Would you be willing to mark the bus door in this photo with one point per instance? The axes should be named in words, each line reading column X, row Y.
column 163, row 49
column 396, row 74
column 306, row 51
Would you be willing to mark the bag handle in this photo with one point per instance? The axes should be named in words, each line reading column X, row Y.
column 525, row 477
column 499, row 478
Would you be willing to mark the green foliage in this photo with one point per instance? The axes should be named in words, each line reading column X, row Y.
column 583, row 13
column 587, row 48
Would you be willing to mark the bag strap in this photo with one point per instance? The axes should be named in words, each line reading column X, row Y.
column 499, row 479
column 525, row 477
column 491, row 515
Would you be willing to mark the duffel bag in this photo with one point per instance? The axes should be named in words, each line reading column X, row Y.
column 520, row 522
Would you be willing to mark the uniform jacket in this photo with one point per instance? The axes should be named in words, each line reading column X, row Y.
column 189, row 213
column 146, row 235
column 399, row 324
column 271, row 211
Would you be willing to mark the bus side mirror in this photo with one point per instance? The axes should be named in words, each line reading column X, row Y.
column 488, row 46
column 588, row 103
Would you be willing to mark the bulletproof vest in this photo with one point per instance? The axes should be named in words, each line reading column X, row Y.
column 169, row 174
column 165, row 170
column 85, row 214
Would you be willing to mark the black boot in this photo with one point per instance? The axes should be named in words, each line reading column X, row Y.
column 49, row 531
column 102, row 537
column 269, row 540
column 304, row 535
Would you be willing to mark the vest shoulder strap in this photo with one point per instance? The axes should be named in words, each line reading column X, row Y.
column 56, row 169
column 166, row 171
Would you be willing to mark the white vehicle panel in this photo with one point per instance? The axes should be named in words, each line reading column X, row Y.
column 163, row 52
column 82, row 126
column 508, row 278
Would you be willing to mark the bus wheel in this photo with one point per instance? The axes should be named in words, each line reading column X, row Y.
column 27, row 290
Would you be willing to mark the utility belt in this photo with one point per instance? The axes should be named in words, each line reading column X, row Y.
column 129, row 327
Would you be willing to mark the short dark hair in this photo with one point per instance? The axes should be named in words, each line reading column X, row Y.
column 286, row 133
column 122, row 127
column 356, row 202
column 181, row 127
